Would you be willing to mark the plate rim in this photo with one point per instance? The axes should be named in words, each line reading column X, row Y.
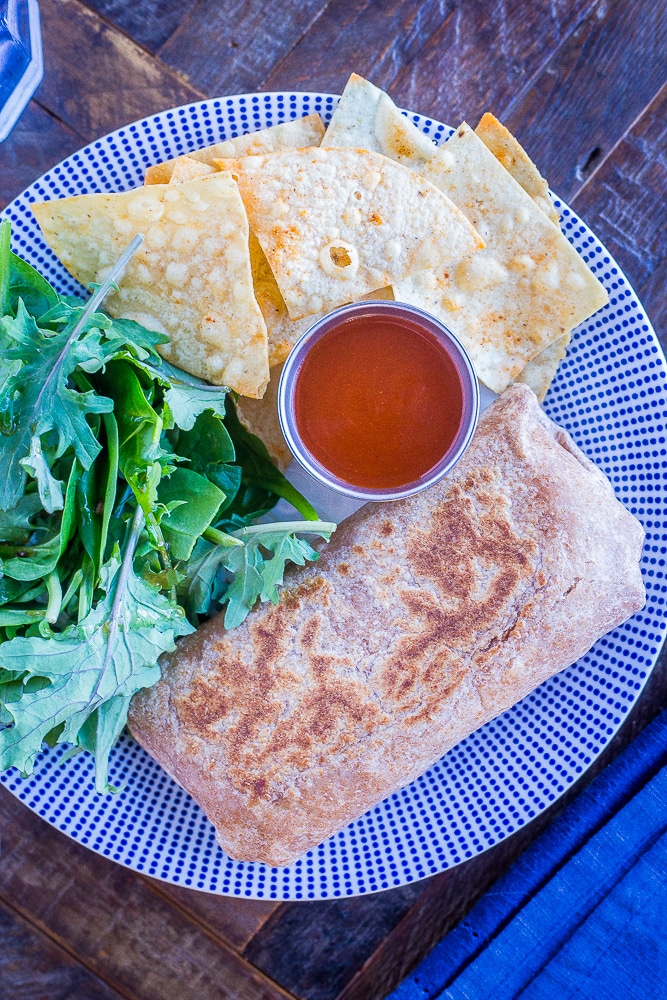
column 447, row 130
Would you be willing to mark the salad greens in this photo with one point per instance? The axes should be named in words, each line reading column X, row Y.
column 129, row 496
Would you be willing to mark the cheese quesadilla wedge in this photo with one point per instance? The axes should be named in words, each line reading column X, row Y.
column 367, row 118
column 190, row 278
column 526, row 289
column 300, row 132
column 338, row 223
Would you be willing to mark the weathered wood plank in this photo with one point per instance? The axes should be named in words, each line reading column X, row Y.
column 236, row 920
column 591, row 90
column 95, row 78
column 447, row 60
column 148, row 22
column 313, row 949
column 241, row 42
column 37, row 143
column 449, row 897
column 112, row 920
column 624, row 202
column 32, row 967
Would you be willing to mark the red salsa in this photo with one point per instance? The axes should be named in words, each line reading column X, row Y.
column 378, row 402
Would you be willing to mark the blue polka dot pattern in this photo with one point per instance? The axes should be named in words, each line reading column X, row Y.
column 610, row 394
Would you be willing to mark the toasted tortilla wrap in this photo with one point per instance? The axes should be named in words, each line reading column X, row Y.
column 422, row 620
column 304, row 132
column 338, row 223
column 367, row 118
column 527, row 288
column 190, row 278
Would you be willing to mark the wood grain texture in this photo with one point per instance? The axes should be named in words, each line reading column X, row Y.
column 624, row 202
column 112, row 921
column 591, row 90
column 230, row 48
column 452, row 59
column 569, row 76
column 37, row 143
column 314, row 949
column 95, row 78
column 236, row 920
column 32, row 967
column 148, row 22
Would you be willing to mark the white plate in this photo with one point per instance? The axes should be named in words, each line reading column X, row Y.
column 610, row 394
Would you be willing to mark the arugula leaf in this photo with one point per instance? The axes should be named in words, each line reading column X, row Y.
column 49, row 488
column 256, row 577
column 185, row 395
column 201, row 583
column 37, row 399
column 16, row 525
column 258, row 468
column 141, row 457
column 239, row 576
column 93, row 667
column 210, row 451
column 37, row 560
column 96, row 495
column 18, row 280
column 207, row 444
column 200, row 501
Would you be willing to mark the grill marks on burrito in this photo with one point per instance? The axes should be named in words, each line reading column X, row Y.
column 471, row 570
column 277, row 719
column 295, row 699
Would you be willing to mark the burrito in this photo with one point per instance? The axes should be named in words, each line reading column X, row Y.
column 422, row 620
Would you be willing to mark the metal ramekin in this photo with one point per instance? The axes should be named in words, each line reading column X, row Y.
column 394, row 311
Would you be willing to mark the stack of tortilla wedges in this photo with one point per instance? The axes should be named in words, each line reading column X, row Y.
column 249, row 241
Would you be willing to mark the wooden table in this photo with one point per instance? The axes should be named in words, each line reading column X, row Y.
column 583, row 84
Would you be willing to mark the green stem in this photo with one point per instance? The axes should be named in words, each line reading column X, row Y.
column 283, row 488
column 220, row 538
column 312, row 527
column 55, row 593
column 74, row 584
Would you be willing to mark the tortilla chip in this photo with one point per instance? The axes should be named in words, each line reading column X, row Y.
column 515, row 159
column 283, row 332
column 526, row 289
column 337, row 223
column 186, row 168
column 367, row 118
column 301, row 132
column 190, row 278
column 541, row 371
